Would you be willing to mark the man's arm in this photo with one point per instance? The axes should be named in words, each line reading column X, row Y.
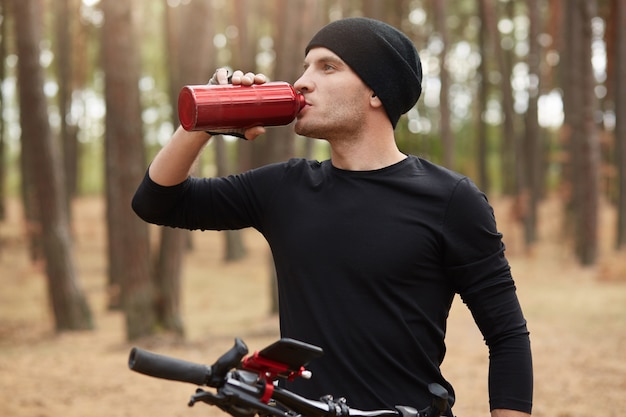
column 482, row 276
column 173, row 163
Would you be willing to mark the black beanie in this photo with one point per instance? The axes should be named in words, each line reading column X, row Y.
column 384, row 58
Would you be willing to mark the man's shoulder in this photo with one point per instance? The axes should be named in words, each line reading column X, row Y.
column 426, row 167
column 304, row 163
column 294, row 163
column 291, row 170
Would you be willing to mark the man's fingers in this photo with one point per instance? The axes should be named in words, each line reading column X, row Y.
column 260, row 79
column 222, row 76
column 244, row 79
column 248, row 79
column 239, row 78
column 219, row 77
column 253, row 132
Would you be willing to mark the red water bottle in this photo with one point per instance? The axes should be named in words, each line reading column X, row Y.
column 213, row 107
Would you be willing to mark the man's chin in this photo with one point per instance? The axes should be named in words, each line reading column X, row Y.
column 301, row 129
column 308, row 131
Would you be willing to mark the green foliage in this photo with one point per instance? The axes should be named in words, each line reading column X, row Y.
column 416, row 18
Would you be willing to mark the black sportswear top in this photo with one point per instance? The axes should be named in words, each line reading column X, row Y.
column 368, row 263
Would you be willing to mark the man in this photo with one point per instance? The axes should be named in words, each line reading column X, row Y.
column 370, row 246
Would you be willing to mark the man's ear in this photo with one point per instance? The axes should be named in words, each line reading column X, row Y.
column 375, row 101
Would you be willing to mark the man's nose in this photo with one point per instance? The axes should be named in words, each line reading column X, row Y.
column 302, row 84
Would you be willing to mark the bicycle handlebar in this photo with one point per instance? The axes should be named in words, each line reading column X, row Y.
column 244, row 388
column 165, row 367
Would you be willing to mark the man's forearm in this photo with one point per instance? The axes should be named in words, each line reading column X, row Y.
column 172, row 164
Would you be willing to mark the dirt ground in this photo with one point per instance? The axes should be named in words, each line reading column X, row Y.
column 577, row 319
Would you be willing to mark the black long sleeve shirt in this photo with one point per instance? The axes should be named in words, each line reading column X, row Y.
column 368, row 264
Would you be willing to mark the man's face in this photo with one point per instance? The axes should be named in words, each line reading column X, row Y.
column 337, row 99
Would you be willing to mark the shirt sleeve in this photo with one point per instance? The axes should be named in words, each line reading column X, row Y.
column 220, row 203
column 475, row 261
column 153, row 202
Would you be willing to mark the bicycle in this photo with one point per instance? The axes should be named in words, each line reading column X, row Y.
column 245, row 386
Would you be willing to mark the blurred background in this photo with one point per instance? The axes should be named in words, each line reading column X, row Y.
column 527, row 97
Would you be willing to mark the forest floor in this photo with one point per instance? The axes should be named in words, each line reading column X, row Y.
column 576, row 316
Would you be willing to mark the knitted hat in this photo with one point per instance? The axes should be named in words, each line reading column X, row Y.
column 384, row 58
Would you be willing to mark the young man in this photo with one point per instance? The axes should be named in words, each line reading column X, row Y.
column 370, row 246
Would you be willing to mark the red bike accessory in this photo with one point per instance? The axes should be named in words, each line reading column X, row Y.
column 270, row 369
column 268, row 392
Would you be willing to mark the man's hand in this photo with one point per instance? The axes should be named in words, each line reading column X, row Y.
column 247, row 79
column 239, row 78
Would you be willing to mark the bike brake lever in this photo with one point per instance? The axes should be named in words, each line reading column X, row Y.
column 236, row 403
column 203, row 396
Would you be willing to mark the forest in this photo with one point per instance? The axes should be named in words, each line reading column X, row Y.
column 526, row 97
column 510, row 99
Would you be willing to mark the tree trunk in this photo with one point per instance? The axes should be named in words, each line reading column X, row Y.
column 167, row 278
column 581, row 132
column 485, row 14
column 244, row 58
column 125, row 166
column 27, row 189
column 532, row 155
column 620, row 117
column 234, row 248
column 71, row 311
column 589, row 193
column 167, row 274
column 447, row 138
column 3, row 165
column 63, row 59
column 508, row 162
column 278, row 143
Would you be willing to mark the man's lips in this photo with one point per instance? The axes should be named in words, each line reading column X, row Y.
column 303, row 109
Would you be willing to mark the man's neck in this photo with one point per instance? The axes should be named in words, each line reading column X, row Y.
column 365, row 154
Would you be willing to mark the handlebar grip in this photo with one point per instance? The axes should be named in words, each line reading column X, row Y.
column 166, row 367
